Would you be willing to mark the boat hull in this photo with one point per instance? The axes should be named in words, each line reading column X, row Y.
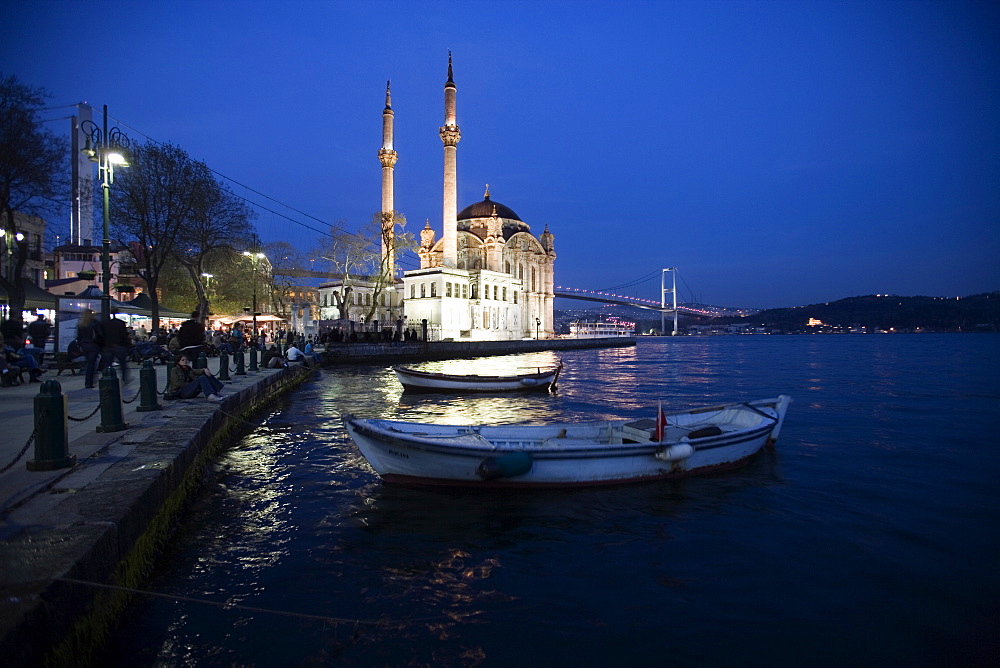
column 423, row 381
column 559, row 455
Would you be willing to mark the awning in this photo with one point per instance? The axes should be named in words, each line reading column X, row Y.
column 264, row 317
column 143, row 301
column 34, row 297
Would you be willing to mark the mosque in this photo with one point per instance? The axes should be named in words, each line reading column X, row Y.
column 487, row 278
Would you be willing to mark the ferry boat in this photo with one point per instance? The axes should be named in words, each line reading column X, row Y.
column 585, row 329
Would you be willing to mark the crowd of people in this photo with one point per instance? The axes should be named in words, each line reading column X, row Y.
column 102, row 342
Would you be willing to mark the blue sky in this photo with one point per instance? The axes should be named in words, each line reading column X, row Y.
column 777, row 153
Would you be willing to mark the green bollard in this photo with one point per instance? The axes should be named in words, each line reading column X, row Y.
column 253, row 359
column 147, row 388
column 202, row 361
column 240, row 370
column 111, row 403
column 52, row 432
column 223, row 366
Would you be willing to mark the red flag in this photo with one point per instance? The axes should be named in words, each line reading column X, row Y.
column 661, row 422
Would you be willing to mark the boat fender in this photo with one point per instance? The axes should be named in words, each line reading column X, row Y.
column 674, row 453
column 505, row 466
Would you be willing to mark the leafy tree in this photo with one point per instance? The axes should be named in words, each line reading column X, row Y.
column 154, row 201
column 32, row 175
column 220, row 225
column 283, row 257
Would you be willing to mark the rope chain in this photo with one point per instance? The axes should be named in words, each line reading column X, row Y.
column 27, row 445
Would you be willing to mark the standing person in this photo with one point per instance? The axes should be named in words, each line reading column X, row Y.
column 187, row 383
column 236, row 334
column 39, row 331
column 191, row 335
column 115, row 345
column 91, row 337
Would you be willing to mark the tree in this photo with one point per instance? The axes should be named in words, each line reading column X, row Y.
column 32, row 175
column 356, row 257
column 283, row 257
column 220, row 226
column 154, row 201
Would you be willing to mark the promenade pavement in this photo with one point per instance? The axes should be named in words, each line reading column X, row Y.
column 17, row 422
column 84, row 520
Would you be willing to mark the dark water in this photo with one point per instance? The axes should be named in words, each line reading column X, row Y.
column 869, row 536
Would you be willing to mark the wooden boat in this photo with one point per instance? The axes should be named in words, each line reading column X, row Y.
column 569, row 454
column 426, row 381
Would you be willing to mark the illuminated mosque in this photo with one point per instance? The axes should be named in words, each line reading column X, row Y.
column 488, row 277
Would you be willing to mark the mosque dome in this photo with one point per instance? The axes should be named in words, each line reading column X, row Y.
column 485, row 208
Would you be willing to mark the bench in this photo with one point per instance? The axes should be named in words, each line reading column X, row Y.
column 62, row 362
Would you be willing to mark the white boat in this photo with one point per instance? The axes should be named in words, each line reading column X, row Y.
column 599, row 329
column 427, row 381
column 569, row 454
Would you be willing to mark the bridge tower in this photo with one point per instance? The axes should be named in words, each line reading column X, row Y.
column 450, row 136
column 663, row 297
column 387, row 156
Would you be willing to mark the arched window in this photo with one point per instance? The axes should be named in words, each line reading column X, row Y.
column 434, row 289
column 382, row 299
column 423, row 290
column 475, row 291
column 520, row 272
column 506, row 267
column 413, row 290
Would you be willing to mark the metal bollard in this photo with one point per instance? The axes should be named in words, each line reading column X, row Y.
column 147, row 388
column 52, row 435
column 111, row 402
column 238, row 357
column 253, row 359
column 202, row 361
column 223, row 366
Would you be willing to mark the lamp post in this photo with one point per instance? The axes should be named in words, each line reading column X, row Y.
column 538, row 323
column 6, row 235
column 254, row 258
column 107, row 149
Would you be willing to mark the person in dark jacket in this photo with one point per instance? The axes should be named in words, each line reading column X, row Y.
column 115, row 347
column 191, row 335
column 187, row 383
column 90, row 334
column 39, row 331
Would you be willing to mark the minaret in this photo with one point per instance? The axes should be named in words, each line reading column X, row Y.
column 450, row 136
column 387, row 156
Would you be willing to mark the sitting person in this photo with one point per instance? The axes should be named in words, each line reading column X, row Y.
column 187, row 383
column 310, row 352
column 293, row 354
column 271, row 358
column 75, row 352
column 23, row 362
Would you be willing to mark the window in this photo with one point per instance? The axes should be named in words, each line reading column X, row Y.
column 475, row 291
column 447, row 289
column 465, row 291
column 504, row 293
column 515, row 296
column 382, row 299
column 496, row 291
column 423, row 290
column 520, row 272
column 486, row 292
column 434, row 289
column 413, row 290
column 506, row 267
column 533, row 279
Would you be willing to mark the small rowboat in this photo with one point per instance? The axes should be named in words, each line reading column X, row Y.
column 572, row 453
column 426, row 381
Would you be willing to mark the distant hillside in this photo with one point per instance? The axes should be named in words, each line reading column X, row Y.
column 886, row 312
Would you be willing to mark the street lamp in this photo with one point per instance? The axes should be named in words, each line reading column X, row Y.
column 107, row 149
column 538, row 323
column 255, row 258
column 6, row 235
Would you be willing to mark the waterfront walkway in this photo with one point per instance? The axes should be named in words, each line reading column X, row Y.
column 99, row 519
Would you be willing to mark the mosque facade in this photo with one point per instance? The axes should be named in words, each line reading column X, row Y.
column 488, row 277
